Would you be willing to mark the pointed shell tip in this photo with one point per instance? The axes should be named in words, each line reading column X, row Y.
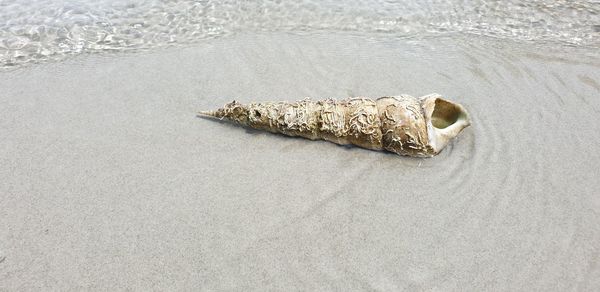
column 206, row 114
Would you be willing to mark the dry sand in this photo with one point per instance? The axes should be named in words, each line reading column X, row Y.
column 108, row 181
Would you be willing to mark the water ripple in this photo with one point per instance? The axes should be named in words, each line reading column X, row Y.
column 36, row 30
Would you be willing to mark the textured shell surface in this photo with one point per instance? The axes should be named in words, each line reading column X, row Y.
column 400, row 124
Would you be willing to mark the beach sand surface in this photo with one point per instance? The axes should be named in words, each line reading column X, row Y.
column 109, row 181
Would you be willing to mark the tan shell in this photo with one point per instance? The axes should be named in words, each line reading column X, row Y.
column 405, row 125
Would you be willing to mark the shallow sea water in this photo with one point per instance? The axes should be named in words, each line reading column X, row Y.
column 34, row 30
column 109, row 181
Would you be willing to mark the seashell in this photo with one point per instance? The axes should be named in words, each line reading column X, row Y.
column 405, row 125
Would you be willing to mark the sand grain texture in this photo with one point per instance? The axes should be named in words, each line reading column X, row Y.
column 108, row 181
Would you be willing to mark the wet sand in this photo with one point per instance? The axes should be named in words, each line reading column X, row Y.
column 109, row 181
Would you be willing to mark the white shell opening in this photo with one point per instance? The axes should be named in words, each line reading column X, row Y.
column 445, row 120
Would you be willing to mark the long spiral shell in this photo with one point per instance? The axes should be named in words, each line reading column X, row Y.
column 402, row 124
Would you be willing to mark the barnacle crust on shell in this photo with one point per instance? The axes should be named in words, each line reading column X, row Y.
column 405, row 125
